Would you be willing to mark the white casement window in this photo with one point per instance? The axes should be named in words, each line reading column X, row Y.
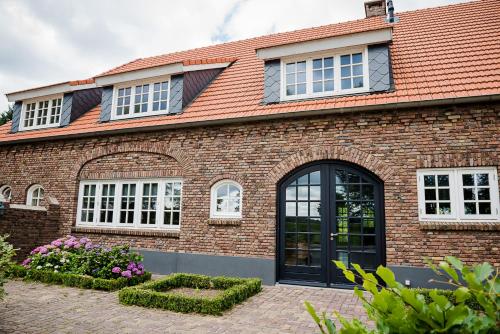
column 35, row 195
column 41, row 113
column 154, row 203
column 141, row 98
column 5, row 193
column 325, row 74
column 459, row 194
column 226, row 200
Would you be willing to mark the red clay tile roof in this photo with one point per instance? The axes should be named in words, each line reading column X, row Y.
column 438, row 53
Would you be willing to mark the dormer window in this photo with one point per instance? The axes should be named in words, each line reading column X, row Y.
column 325, row 74
column 141, row 98
column 41, row 113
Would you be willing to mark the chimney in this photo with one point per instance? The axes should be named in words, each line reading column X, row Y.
column 375, row 8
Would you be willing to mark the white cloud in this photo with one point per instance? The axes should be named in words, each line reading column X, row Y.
column 48, row 41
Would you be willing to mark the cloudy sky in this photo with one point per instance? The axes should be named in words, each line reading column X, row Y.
column 48, row 41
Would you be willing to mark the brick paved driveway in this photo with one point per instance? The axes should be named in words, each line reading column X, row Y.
column 39, row 308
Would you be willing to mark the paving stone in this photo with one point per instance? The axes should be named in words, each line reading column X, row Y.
column 39, row 308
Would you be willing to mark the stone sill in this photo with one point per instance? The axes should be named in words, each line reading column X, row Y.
column 460, row 226
column 224, row 222
column 120, row 231
column 27, row 207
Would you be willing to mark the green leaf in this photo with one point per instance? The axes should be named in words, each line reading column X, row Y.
column 388, row 276
column 370, row 283
column 349, row 275
column 330, row 326
column 340, row 264
column 360, row 270
column 483, row 271
column 312, row 312
column 461, row 294
column 456, row 263
column 450, row 271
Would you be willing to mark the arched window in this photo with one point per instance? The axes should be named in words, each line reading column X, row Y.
column 6, row 192
column 35, row 195
column 226, row 200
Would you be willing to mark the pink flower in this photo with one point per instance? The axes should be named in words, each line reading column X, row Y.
column 84, row 240
column 56, row 243
column 127, row 274
column 116, row 270
column 42, row 250
column 26, row 262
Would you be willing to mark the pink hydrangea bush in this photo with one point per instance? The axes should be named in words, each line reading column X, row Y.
column 80, row 256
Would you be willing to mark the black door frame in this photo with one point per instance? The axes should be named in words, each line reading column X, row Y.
column 325, row 277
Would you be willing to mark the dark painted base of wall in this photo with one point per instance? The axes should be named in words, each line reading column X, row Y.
column 213, row 265
column 418, row 277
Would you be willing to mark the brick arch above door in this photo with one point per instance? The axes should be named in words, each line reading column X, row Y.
column 348, row 154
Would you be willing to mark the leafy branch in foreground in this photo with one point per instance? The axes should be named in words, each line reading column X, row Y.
column 471, row 307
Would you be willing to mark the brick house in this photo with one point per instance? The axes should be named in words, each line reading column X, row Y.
column 373, row 141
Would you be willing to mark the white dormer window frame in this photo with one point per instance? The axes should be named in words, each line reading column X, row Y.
column 337, row 73
column 140, row 98
column 41, row 113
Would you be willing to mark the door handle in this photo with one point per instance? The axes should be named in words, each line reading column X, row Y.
column 333, row 235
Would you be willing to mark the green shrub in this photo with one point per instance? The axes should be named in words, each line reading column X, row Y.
column 75, row 280
column 472, row 307
column 155, row 294
column 6, row 254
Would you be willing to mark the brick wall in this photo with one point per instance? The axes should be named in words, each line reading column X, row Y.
column 392, row 144
column 28, row 227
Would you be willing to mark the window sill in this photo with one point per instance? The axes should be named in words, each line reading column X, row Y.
column 174, row 234
column 224, row 221
column 459, row 226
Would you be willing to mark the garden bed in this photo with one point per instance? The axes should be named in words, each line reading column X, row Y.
column 77, row 262
column 184, row 293
column 78, row 281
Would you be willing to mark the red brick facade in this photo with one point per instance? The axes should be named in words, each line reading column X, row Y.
column 257, row 155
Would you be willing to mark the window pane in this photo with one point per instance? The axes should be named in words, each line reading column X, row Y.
column 329, row 85
column 345, row 60
column 444, row 194
column 328, row 62
column 290, row 68
column 357, row 58
column 329, row 73
column 468, row 179
column 345, row 71
column 443, row 180
column 317, row 63
column 317, row 75
column 444, row 208
column 430, row 208
column 301, row 66
column 301, row 77
column 357, row 82
column 301, row 89
column 346, row 83
column 482, row 180
column 290, row 90
column 484, row 208
column 470, row 208
column 290, row 79
column 469, row 194
column 430, row 194
column 429, row 180
column 357, row 70
column 317, row 87
column 483, row 194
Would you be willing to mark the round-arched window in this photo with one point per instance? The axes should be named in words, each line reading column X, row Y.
column 35, row 195
column 6, row 192
column 226, row 200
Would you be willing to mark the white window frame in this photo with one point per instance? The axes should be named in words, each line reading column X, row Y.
column 29, row 197
column 49, row 98
column 213, row 201
column 456, row 194
column 132, row 85
column 336, row 54
column 160, row 204
column 3, row 188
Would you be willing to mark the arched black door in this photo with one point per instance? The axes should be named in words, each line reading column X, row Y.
column 330, row 210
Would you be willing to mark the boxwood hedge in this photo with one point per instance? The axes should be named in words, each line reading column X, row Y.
column 73, row 280
column 156, row 294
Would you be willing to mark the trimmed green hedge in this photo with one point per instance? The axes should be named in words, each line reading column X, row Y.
column 155, row 294
column 73, row 280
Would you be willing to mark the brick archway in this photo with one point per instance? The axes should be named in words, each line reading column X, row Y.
column 348, row 154
column 103, row 151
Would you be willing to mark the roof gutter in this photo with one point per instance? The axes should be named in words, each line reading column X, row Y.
column 288, row 115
